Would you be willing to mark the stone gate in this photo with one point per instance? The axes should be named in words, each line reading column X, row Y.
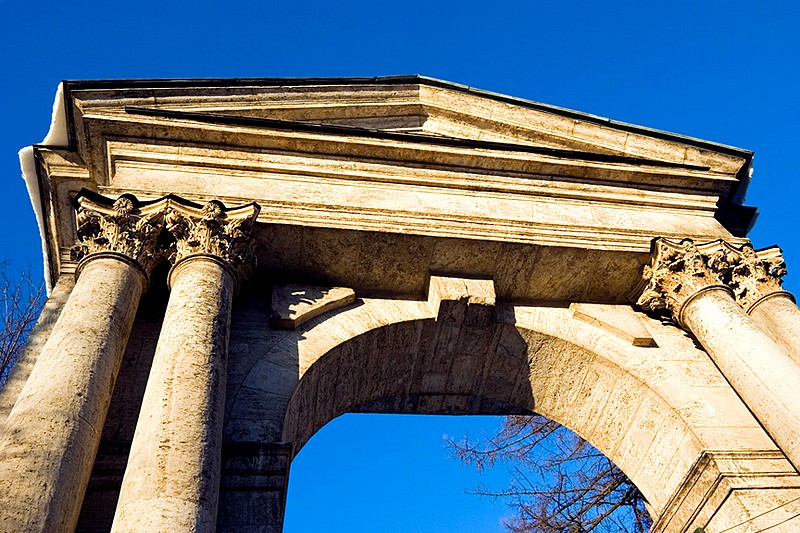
column 234, row 263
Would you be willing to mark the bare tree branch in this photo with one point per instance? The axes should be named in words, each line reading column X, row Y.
column 21, row 301
column 559, row 482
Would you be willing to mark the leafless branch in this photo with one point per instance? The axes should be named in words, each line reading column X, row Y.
column 559, row 482
column 21, row 301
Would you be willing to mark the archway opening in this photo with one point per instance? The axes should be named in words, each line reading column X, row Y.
column 399, row 473
column 389, row 473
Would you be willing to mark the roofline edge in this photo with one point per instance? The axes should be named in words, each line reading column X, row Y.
column 73, row 85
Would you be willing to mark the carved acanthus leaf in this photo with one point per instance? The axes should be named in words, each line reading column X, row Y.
column 214, row 230
column 757, row 274
column 680, row 269
column 126, row 227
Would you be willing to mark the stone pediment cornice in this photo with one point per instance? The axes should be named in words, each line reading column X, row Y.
column 400, row 103
column 408, row 122
column 415, row 137
column 402, row 150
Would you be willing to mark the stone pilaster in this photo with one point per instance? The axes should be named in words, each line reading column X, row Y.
column 172, row 479
column 253, row 488
column 692, row 283
column 50, row 438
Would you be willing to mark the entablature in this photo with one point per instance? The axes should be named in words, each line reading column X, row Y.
column 409, row 160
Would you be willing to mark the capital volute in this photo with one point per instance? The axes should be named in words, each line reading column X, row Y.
column 757, row 275
column 681, row 270
column 123, row 226
column 213, row 230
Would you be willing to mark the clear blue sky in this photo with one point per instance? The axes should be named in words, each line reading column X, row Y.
column 722, row 71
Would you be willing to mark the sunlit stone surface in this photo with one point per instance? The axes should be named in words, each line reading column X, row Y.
column 399, row 245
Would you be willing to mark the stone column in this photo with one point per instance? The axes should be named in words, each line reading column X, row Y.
column 693, row 284
column 50, row 438
column 756, row 279
column 172, row 479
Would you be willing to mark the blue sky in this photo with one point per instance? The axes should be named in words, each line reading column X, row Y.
column 722, row 71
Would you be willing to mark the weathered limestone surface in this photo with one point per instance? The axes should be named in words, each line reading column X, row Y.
column 50, row 438
column 100, row 502
column 725, row 490
column 173, row 474
column 294, row 304
column 461, row 252
column 697, row 286
column 758, row 369
column 97, row 512
column 253, row 488
column 172, row 479
column 652, row 410
column 757, row 281
column 620, row 320
column 561, row 187
column 779, row 317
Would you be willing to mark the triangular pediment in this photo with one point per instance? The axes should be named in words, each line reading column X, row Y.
column 412, row 105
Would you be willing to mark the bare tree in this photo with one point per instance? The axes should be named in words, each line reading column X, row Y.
column 559, row 482
column 21, row 301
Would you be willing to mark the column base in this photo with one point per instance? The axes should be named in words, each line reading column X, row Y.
column 737, row 492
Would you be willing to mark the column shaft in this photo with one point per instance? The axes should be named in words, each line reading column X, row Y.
column 50, row 438
column 762, row 374
column 172, row 479
column 779, row 317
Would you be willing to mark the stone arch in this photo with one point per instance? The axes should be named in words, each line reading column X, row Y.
column 659, row 409
column 499, row 368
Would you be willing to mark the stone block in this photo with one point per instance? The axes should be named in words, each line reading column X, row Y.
column 294, row 304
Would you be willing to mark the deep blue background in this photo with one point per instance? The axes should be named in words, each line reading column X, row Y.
column 722, row 71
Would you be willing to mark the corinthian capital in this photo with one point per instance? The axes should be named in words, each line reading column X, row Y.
column 213, row 230
column 125, row 226
column 757, row 274
column 679, row 270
